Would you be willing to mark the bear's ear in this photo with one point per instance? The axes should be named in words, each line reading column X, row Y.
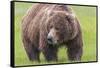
column 71, row 17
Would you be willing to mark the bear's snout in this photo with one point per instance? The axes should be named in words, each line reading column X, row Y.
column 52, row 37
column 49, row 40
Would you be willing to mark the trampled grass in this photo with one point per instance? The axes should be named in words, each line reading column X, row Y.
column 87, row 18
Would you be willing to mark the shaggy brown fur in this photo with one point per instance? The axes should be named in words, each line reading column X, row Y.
column 37, row 24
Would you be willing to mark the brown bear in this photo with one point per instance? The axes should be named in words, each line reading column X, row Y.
column 46, row 27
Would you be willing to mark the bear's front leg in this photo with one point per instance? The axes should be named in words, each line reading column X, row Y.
column 31, row 50
column 75, row 48
column 50, row 53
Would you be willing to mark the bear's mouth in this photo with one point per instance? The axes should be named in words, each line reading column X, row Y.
column 52, row 42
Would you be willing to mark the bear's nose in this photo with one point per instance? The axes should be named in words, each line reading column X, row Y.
column 49, row 39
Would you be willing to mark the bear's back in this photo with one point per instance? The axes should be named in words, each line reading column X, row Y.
column 39, row 8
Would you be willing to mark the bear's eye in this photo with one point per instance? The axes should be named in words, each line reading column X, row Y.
column 56, row 28
column 51, row 27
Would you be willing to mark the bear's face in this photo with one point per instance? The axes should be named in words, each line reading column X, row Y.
column 58, row 29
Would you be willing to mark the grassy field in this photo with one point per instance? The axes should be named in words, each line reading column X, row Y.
column 87, row 18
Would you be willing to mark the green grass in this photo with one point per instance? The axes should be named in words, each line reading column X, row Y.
column 87, row 18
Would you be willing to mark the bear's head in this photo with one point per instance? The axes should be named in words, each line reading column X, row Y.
column 59, row 27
